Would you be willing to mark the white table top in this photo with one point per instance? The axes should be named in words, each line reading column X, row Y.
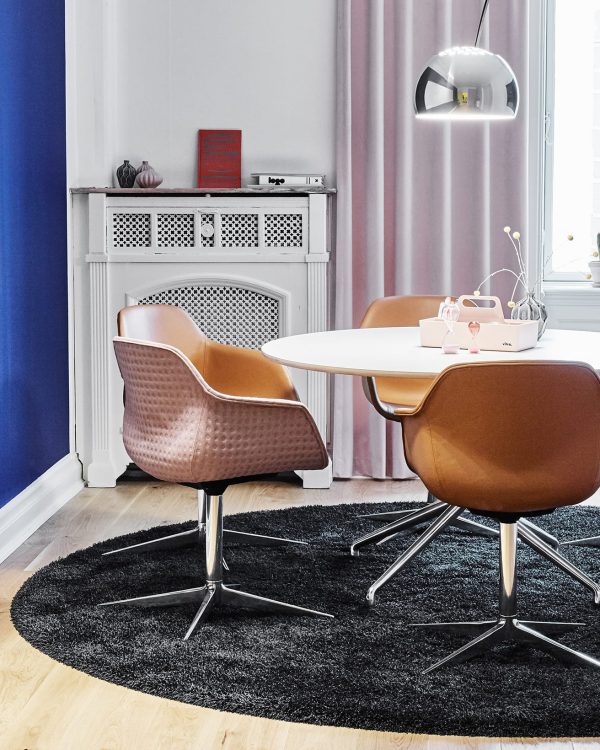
column 396, row 351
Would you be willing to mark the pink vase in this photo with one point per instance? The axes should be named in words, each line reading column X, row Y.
column 147, row 177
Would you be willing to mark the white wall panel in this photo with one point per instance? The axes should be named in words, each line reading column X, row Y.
column 150, row 73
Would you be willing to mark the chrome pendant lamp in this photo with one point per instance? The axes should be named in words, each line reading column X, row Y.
column 467, row 83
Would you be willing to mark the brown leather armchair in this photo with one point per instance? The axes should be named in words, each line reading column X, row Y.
column 392, row 398
column 399, row 312
column 388, row 394
column 229, row 370
column 179, row 428
column 502, row 439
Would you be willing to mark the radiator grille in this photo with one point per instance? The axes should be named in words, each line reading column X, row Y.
column 228, row 314
column 131, row 230
column 175, row 230
column 283, row 230
column 239, row 230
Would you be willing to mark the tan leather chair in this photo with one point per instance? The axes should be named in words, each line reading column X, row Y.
column 387, row 394
column 391, row 397
column 179, row 428
column 502, row 439
column 228, row 369
column 400, row 312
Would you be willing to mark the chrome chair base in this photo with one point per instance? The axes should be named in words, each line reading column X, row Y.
column 463, row 523
column 448, row 515
column 211, row 595
column 513, row 630
column 215, row 592
column 590, row 541
column 197, row 535
column 507, row 627
column 533, row 540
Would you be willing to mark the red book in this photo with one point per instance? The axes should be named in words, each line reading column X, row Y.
column 219, row 158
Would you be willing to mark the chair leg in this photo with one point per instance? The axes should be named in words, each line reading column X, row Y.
column 185, row 596
column 537, row 544
column 172, row 541
column 475, row 528
column 413, row 519
column 507, row 627
column 590, row 541
column 396, row 515
column 214, row 592
column 208, row 602
column 448, row 515
column 559, row 650
column 243, row 537
column 262, row 604
column 544, row 535
column 477, row 646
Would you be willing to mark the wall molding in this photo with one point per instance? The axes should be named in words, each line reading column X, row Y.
column 38, row 502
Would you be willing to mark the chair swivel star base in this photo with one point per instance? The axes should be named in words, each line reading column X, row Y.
column 443, row 515
column 507, row 627
column 478, row 529
column 466, row 524
column 197, row 535
column 214, row 592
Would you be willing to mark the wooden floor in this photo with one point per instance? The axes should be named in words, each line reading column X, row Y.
column 47, row 706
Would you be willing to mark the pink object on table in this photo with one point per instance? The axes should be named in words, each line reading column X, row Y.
column 474, row 328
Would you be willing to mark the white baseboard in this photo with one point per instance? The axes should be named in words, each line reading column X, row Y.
column 32, row 507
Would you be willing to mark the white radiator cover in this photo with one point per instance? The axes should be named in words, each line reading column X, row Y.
column 247, row 268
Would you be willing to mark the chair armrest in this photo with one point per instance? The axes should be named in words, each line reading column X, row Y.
column 389, row 411
column 246, row 372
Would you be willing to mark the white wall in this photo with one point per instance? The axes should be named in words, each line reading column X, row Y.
column 150, row 73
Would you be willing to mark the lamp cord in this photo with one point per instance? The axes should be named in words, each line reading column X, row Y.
column 485, row 7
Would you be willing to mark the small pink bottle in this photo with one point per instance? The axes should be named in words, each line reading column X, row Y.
column 474, row 328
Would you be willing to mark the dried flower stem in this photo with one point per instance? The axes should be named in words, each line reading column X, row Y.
column 518, row 277
column 519, row 257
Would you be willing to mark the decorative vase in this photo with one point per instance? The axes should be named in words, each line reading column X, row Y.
column 595, row 272
column 143, row 167
column 530, row 308
column 147, row 177
column 126, row 174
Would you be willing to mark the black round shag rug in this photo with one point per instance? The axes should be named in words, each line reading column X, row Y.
column 362, row 669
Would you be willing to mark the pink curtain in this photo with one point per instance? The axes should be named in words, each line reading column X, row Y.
column 421, row 205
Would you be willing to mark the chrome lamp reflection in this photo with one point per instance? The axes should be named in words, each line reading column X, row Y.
column 467, row 83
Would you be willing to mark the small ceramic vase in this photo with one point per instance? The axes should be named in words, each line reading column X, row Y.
column 126, row 174
column 147, row 177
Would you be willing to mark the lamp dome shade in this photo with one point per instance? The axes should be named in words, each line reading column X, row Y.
column 467, row 83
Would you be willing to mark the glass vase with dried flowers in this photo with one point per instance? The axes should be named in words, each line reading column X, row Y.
column 529, row 307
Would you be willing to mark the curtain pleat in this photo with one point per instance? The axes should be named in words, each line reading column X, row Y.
column 421, row 205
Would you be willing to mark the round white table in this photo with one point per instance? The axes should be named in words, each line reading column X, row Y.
column 369, row 352
column 396, row 351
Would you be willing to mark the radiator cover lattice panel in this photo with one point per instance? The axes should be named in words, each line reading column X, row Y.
column 239, row 230
column 228, row 314
column 131, row 230
column 175, row 230
column 283, row 230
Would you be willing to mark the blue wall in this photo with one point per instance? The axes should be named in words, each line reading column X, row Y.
column 34, row 396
